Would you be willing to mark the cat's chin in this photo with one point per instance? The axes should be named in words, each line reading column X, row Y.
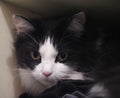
column 47, row 81
column 31, row 84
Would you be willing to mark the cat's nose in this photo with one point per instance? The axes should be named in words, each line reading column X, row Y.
column 47, row 74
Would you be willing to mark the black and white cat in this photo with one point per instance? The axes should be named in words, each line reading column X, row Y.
column 67, row 48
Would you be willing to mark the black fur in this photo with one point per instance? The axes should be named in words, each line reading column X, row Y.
column 95, row 50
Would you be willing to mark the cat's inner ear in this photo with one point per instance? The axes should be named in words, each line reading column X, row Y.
column 77, row 22
column 22, row 24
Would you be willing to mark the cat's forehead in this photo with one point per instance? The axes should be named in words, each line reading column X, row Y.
column 47, row 48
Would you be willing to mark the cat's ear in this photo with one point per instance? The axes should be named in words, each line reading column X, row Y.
column 22, row 24
column 77, row 22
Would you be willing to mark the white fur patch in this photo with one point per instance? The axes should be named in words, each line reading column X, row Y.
column 98, row 90
column 30, row 84
column 47, row 50
column 48, row 55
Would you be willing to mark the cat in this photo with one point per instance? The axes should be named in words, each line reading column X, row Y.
column 67, row 48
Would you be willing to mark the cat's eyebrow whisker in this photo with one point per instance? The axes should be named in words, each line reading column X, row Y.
column 63, row 36
column 32, row 38
column 61, row 40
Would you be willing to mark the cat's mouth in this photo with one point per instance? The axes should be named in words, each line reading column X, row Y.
column 48, row 81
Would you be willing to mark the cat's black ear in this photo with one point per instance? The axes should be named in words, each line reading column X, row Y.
column 77, row 22
column 22, row 24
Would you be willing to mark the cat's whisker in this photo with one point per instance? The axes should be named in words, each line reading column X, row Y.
column 62, row 38
column 24, row 65
column 32, row 38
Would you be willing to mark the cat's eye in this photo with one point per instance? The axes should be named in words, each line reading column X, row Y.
column 61, row 57
column 35, row 55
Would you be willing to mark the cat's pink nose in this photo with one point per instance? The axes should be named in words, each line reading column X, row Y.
column 47, row 74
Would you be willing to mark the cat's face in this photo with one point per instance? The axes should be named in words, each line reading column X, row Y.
column 51, row 51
